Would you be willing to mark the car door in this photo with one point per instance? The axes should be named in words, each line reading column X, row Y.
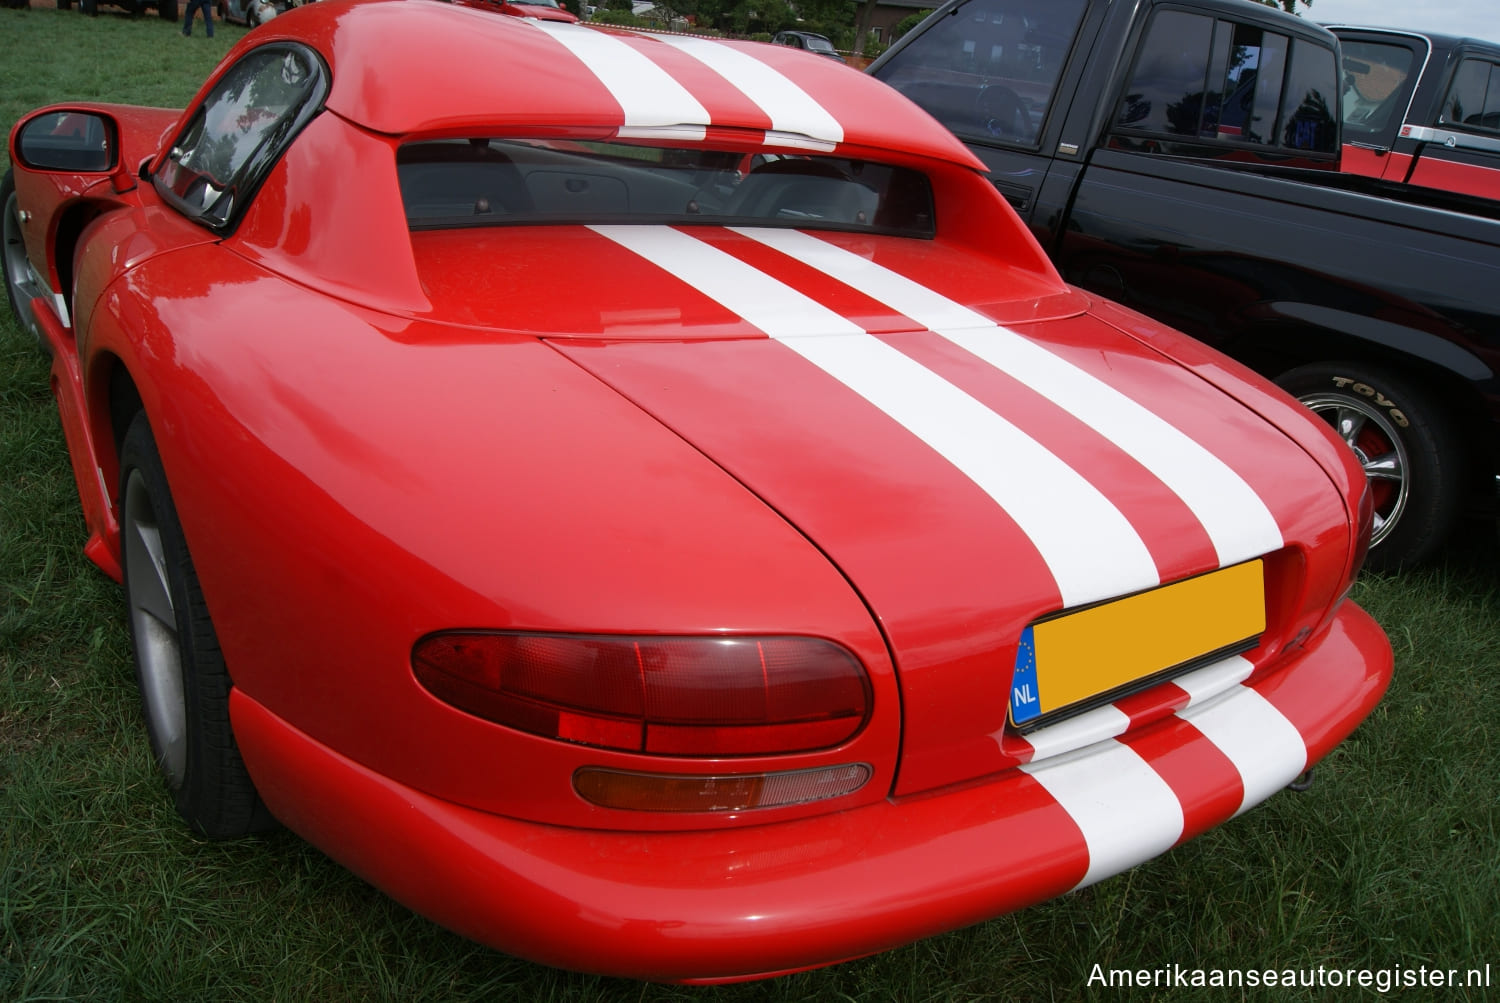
column 1462, row 151
column 1001, row 74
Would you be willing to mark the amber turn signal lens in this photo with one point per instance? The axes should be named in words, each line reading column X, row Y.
column 719, row 793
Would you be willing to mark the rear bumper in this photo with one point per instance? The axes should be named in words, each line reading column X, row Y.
column 765, row 899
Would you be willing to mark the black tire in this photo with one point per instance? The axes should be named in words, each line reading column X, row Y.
column 18, row 285
column 179, row 667
column 1408, row 445
column 64, row 4
column 167, row 10
column 89, row 7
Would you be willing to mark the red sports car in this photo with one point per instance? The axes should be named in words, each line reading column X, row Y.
column 648, row 504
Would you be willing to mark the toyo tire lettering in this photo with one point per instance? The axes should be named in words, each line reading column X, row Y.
column 1407, row 444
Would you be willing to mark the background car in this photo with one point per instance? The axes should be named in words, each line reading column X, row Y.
column 808, row 41
column 537, row 10
column 1421, row 108
column 814, row 579
column 166, row 9
column 254, row 12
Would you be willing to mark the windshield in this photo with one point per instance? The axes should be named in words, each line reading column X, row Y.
column 817, row 44
column 480, row 182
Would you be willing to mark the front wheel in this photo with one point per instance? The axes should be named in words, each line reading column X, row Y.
column 167, row 10
column 21, row 285
column 1408, row 448
column 183, row 681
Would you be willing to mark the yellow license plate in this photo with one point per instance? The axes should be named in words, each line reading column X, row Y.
column 1081, row 659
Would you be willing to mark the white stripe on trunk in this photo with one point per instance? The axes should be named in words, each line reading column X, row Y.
column 1234, row 516
column 1090, row 547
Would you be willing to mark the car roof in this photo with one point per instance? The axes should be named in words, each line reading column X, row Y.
column 424, row 67
column 1436, row 38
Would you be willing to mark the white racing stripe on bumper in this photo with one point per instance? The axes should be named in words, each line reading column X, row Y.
column 1090, row 547
column 1236, row 519
column 1266, row 748
column 649, row 96
column 1126, row 810
column 791, row 109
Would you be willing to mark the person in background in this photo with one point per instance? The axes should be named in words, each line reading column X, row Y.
column 208, row 16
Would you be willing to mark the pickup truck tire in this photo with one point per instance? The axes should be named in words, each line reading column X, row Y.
column 1407, row 444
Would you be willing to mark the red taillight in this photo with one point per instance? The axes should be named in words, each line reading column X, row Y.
column 685, row 696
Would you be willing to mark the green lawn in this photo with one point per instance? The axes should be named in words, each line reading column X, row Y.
column 1392, row 859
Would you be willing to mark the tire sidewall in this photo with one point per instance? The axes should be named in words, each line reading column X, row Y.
column 8, row 208
column 215, row 795
column 1434, row 456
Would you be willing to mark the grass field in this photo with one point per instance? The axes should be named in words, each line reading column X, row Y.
column 1392, row 859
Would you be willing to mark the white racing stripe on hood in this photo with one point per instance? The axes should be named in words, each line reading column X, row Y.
column 1234, row 516
column 649, row 95
column 1091, row 549
column 790, row 108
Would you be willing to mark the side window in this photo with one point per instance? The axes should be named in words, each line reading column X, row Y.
column 989, row 70
column 240, row 130
column 1252, row 84
column 1309, row 118
column 1473, row 102
column 1168, row 86
column 1208, row 88
column 1377, row 87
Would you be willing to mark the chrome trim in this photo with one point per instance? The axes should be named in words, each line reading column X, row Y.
column 1450, row 139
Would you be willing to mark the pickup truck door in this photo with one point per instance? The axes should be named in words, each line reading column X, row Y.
column 1461, row 150
column 1002, row 75
column 1380, row 71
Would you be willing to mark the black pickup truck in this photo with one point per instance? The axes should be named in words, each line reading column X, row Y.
column 1183, row 157
column 1422, row 108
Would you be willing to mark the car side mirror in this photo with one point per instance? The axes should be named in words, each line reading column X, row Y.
column 73, row 141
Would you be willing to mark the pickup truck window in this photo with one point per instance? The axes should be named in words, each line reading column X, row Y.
column 1474, row 101
column 1199, row 81
column 1375, row 87
column 988, row 70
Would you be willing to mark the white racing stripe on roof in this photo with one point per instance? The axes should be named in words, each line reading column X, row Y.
column 1267, row 749
column 1127, row 812
column 649, row 95
column 1090, row 547
column 791, row 109
column 1234, row 516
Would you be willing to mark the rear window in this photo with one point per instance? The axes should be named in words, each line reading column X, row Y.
column 495, row 182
